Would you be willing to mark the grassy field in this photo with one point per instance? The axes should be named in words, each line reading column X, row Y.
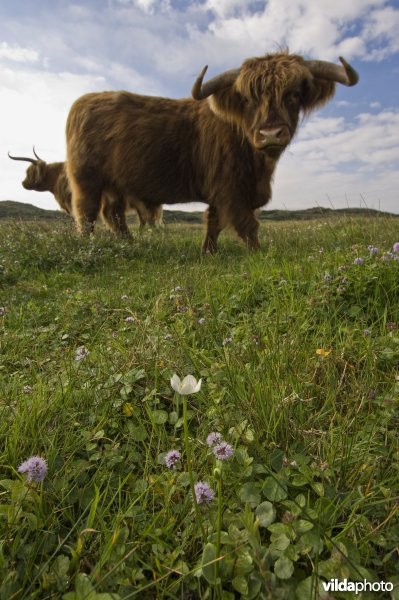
column 297, row 347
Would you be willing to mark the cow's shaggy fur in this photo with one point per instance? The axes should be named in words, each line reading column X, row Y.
column 221, row 150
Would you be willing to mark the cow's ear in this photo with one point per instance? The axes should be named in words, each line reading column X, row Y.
column 316, row 93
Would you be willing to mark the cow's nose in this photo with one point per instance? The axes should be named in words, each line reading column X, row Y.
column 274, row 135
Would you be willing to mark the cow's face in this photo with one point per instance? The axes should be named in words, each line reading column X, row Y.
column 267, row 98
column 35, row 177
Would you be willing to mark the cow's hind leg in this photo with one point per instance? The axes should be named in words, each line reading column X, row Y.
column 247, row 225
column 86, row 200
column 113, row 213
column 213, row 229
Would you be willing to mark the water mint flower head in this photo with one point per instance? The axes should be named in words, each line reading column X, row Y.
column 358, row 261
column 214, row 438
column 172, row 458
column 203, row 493
column 35, row 468
column 223, row 451
column 395, row 247
column 189, row 385
column 372, row 249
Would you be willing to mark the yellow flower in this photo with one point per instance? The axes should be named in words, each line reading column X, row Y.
column 322, row 352
column 127, row 409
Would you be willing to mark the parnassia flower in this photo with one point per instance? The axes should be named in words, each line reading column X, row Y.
column 189, row 385
column 35, row 468
column 204, row 494
column 172, row 458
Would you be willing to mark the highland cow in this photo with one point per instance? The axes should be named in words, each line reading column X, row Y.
column 51, row 177
column 220, row 147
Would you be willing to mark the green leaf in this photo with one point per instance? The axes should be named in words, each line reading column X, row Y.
column 249, row 492
column 311, row 587
column 159, row 416
column 265, row 513
column 274, row 490
column 284, row 567
column 83, row 589
column 302, row 526
column 240, row 584
column 278, row 545
column 173, row 417
column 318, row 488
column 139, row 432
column 208, row 563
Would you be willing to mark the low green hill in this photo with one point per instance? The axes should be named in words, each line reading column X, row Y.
column 27, row 212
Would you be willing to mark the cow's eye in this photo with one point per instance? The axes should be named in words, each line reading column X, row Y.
column 292, row 98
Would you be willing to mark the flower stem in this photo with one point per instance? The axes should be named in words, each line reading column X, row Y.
column 189, row 465
column 219, row 521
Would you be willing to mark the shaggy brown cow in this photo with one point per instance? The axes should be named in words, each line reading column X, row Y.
column 51, row 177
column 221, row 147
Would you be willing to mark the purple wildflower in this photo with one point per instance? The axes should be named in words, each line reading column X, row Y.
column 372, row 249
column 129, row 320
column 172, row 458
column 223, row 451
column 35, row 468
column 214, row 438
column 395, row 247
column 201, row 321
column 203, row 493
column 327, row 277
column 358, row 261
column 227, row 341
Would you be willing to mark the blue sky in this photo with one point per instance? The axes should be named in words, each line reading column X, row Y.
column 347, row 154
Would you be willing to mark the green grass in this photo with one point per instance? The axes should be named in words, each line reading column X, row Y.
column 311, row 492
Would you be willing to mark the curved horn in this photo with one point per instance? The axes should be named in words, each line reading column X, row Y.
column 31, row 160
column 200, row 91
column 326, row 70
column 38, row 157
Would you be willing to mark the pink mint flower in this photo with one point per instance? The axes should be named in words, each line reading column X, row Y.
column 35, row 468
column 203, row 492
column 172, row 458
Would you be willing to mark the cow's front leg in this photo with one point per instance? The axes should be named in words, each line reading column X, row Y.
column 247, row 225
column 213, row 229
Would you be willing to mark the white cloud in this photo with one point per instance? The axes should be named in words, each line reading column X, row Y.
column 18, row 53
column 148, row 6
column 342, row 160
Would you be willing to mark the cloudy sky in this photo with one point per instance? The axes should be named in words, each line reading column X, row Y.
column 52, row 51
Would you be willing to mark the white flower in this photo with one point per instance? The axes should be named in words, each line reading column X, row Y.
column 189, row 385
column 81, row 353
